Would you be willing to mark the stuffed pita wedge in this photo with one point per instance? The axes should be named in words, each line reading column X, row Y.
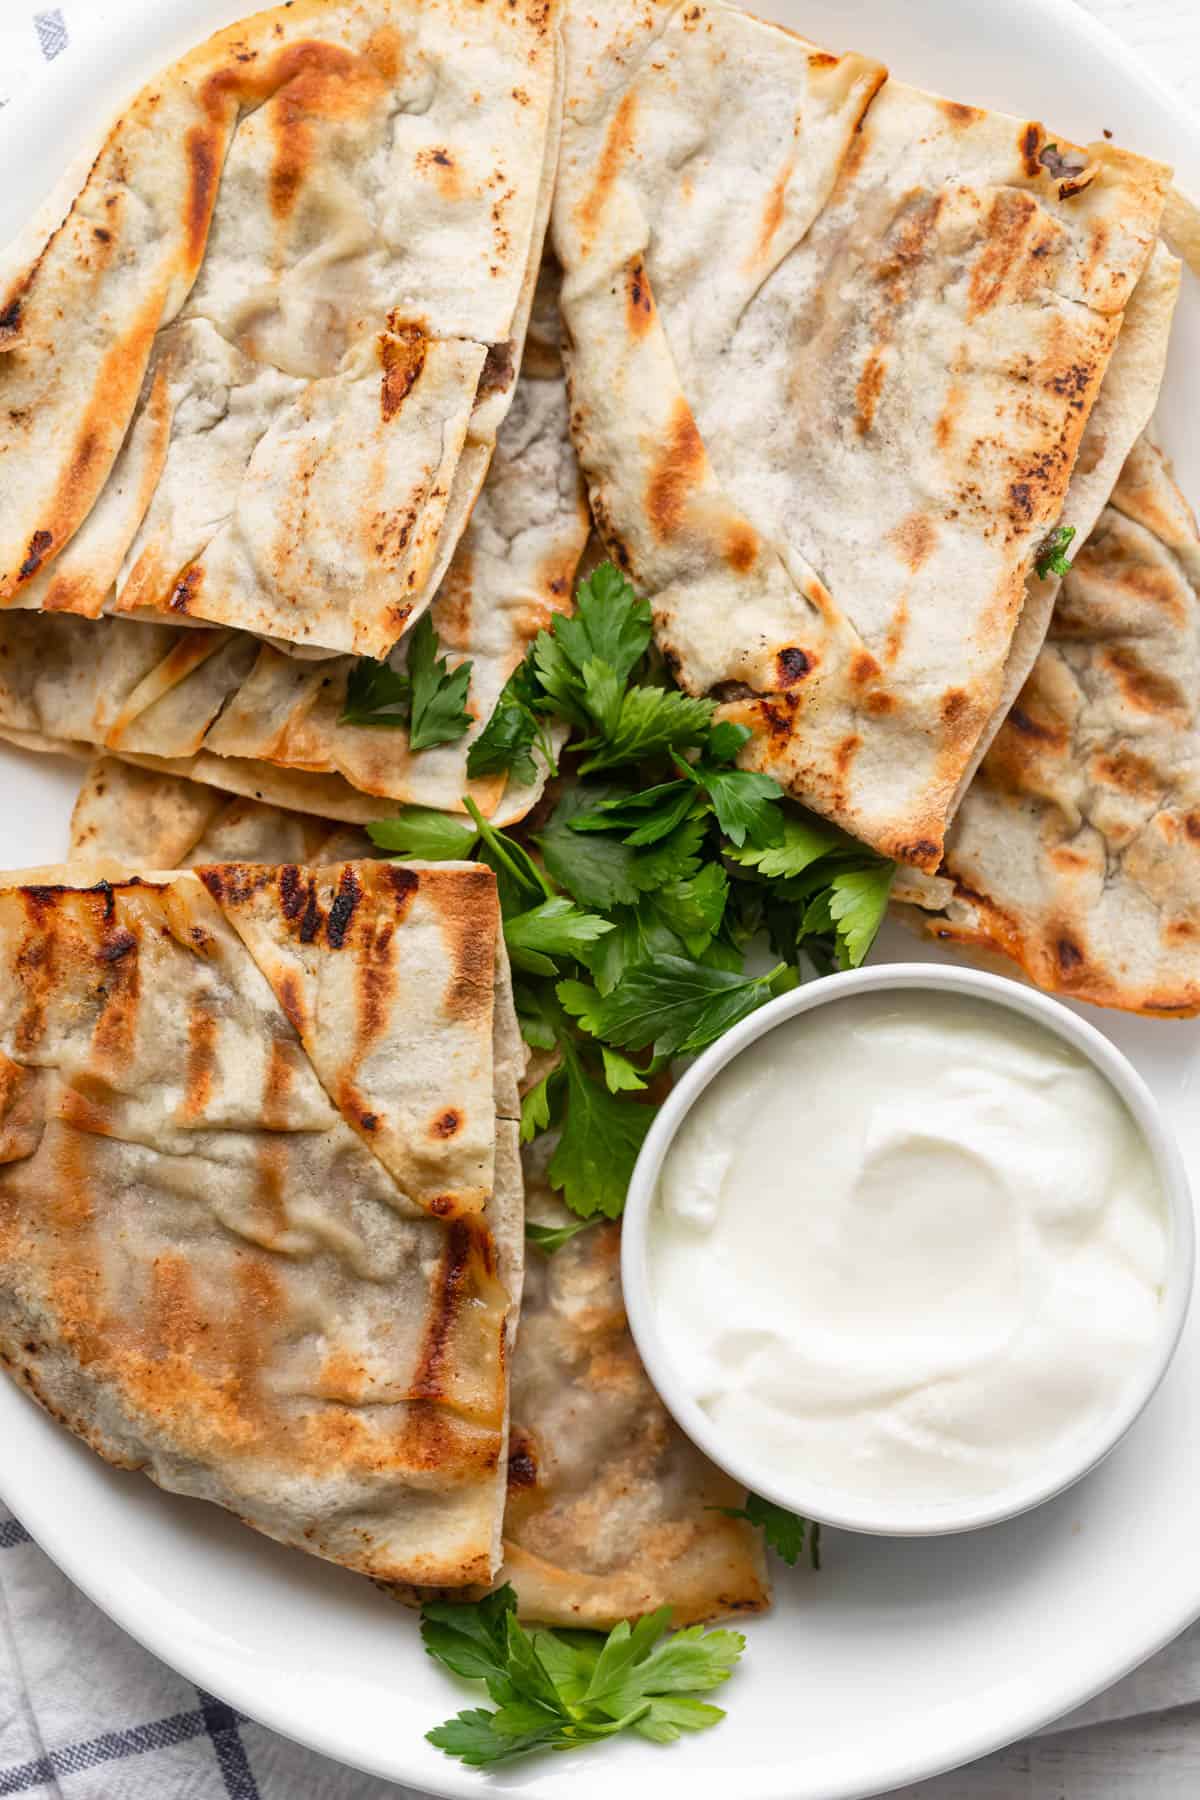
column 610, row 1510
column 224, row 708
column 254, row 377
column 1076, row 851
column 271, row 1266
column 828, row 396
column 126, row 817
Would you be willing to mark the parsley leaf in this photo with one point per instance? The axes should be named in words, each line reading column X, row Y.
column 600, row 1140
column 422, row 831
column 857, row 902
column 677, row 1005
column 674, row 858
column 805, row 839
column 610, row 625
column 428, row 697
column 507, row 741
column 376, row 694
column 726, row 739
column 785, row 1532
column 439, row 714
column 649, row 721
column 640, row 937
column 471, row 1641
column 597, row 870
column 818, row 915
column 694, row 908
column 744, row 802
column 620, row 1076
column 555, row 928
column 549, row 1238
column 635, row 1668
column 1052, row 553
column 472, row 1737
column 536, row 1107
column 744, row 805
column 644, row 817
column 534, row 1017
column 562, row 1690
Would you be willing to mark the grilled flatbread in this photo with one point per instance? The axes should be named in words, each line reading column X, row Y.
column 224, row 708
column 828, row 396
column 271, row 1267
column 1076, row 852
column 608, row 1510
column 255, row 376
column 133, row 818
column 609, row 1504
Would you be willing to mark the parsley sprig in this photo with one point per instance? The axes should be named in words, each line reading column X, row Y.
column 516, row 728
column 629, row 913
column 1052, row 555
column 786, row 1533
column 563, row 1690
column 427, row 698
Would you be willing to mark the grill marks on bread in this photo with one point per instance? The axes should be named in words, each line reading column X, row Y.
column 232, row 1289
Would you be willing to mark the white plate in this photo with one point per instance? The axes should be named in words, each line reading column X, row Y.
column 902, row 1657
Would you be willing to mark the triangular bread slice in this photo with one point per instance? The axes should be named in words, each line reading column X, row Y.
column 205, row 1270
column 611, row 1512
column 1076, row 851
column 294, row 287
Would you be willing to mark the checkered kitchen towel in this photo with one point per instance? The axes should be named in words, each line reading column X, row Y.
column 87, row 1714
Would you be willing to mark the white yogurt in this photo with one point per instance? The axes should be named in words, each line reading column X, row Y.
column 908, row 1244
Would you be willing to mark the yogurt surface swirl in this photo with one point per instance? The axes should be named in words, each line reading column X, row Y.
column 908, row 1243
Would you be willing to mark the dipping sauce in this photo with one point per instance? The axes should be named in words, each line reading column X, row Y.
column 909, row 1243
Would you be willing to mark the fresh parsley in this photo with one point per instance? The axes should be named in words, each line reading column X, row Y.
column 439, row 693
column 675, row 1005
column 538, row 1105
column 742, row 801
column 597, row 870
column 805, row 839
column 1052, row 556
column 628, row 912
column 424, row 832
column 549, row 1238
column 610, row 624
column 600, row 1137
column 640, row 818
column 556, row 928
column 427, row 698
column 562, row 1690
column 376, row 694
column 786, row 1533
column 516, row 728
column 645, row 722
column 857, row 902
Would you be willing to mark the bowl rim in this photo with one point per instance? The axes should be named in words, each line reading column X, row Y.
column 827, row 1504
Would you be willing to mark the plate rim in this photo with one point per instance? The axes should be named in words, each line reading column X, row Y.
column 452, row 1782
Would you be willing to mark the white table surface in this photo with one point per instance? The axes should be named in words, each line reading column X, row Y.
column 1133, row 1754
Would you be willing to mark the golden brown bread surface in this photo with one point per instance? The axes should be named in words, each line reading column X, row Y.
column 609, row 1509
column 828, row 395
column 273, row 1275
column 231, row 711
column 255, row 376
column 1076, row 851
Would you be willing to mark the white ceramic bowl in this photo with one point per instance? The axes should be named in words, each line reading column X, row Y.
column 882, row 1514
